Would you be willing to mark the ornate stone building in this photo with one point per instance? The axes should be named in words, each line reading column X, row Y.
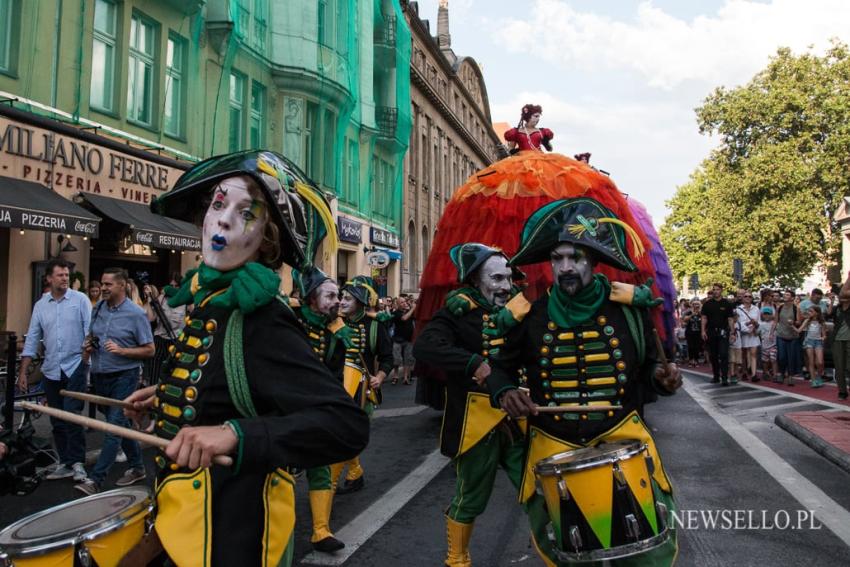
column 451, row 136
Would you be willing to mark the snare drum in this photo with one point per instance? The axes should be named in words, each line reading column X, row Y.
column 601, row 502
column 95, row 530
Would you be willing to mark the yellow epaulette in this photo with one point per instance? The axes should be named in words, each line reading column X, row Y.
column 519, row 306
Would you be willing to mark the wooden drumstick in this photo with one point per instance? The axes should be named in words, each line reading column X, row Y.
column 125, row 432
column 660, row 347
column 99, row 400
column 576, row 409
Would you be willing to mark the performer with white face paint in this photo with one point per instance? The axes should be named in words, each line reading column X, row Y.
column 242, row 379
column 582, row 345
column 368, row 361
column 478, row 437
column 329, row 337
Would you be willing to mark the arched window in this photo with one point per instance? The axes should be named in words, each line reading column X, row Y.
column 408, row 261
column 426, row 247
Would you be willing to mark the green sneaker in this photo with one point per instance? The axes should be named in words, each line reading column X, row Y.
column 733, row 381
column 817, row 382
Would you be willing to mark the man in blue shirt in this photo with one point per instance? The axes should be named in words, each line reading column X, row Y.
column 120, row 339
column 60, row 319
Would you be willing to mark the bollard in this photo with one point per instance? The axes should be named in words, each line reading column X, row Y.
column 11, row 378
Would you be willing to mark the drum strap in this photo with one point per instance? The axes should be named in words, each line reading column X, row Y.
column 635, row 322
column 234, row 366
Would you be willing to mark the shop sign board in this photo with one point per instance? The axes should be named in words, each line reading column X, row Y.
column 70, row 165
column 383, row 237
column 162, row 240
column 378, row 259
column 349, row 230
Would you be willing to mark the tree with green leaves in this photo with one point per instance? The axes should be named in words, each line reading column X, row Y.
column 767, row 194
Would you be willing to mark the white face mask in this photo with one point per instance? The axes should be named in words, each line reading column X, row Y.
column 233, row 225
column 494, row 280
column 348, row 306
column 572, row 268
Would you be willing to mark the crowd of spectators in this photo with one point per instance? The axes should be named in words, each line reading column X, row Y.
column 793, row 336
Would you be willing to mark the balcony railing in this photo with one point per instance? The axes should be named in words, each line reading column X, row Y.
column 386, row 118
column 385, row 34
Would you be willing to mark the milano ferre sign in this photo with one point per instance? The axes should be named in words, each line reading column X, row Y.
column 71, row 165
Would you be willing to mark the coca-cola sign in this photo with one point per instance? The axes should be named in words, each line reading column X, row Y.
column 144, row 237
column 88, row 228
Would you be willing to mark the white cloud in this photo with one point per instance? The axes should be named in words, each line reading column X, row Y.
column 724, row 48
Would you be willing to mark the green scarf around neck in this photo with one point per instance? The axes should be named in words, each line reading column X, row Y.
column 570, row 311
column 248, row 287
column 316, row 320
column 475, row 294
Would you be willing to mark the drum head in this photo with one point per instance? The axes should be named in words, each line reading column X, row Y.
column 589, row 457
column 71, row 523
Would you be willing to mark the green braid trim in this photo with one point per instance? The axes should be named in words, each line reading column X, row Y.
column 636, row 329
column 234, row 366
column 241, row 436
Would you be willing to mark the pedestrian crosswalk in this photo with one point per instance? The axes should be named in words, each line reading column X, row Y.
column 748, row 401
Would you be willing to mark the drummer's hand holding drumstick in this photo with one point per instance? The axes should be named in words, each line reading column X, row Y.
column 669, row 377
column 481, row 373
column 195, row 447
column 377, row 380
column 142, row 401
column 192, row 447
column 517, row 404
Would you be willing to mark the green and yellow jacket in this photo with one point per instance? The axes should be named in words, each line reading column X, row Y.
column 257, row 372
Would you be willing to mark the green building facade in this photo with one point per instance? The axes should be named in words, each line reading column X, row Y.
column 325, row 82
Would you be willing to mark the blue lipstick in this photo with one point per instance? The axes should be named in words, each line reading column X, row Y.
column 218, row 242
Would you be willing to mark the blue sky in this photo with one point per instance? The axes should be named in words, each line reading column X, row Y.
column 621, row 78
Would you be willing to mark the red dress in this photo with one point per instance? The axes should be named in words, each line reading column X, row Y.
column 529, row 142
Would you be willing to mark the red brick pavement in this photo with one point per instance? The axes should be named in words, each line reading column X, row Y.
column 832, row 427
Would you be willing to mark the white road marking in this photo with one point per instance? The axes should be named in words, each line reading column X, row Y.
column 773, row 390
column 398, row 412
column 373, row 518
column 826, row 510
column 778, row 408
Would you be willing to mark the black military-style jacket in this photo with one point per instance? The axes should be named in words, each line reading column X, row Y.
column 596, row 363
column 372, row 344
column 328, row 348
column 458, row 346
column 305, row 417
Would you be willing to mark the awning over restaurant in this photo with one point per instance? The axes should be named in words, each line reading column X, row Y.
column 28, row 205
column 146, row 227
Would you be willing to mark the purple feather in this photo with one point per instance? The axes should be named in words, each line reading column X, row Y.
column 663, row 275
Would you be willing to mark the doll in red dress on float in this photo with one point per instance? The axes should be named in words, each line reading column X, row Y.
column 527, row 136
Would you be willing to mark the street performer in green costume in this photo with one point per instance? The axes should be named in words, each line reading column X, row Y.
column 328, row 335
column 460, row 339
column 242, row 379
column 370, row 357
column 581, row 346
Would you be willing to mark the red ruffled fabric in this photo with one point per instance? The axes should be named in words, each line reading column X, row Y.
column 492, row 208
